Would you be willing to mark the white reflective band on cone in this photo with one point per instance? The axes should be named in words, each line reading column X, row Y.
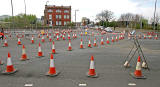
column 92, row 65
column 23, row 51
column 81, row 43
column 51, row 63
column 94, row 41
column 69, row 44
column 89, row 42
column 39, row 49
column 53, row 47
column 138, row 67
column 5, row 41
column 102, row 40
column 9, row 62
column 32, row 38
column 18, row 39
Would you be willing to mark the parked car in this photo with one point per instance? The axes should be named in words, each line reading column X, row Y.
column 108, row 29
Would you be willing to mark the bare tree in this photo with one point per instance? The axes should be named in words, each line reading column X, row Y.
column 157, row 19
column 105, row 15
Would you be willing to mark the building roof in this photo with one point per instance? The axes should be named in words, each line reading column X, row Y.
column 54, row 6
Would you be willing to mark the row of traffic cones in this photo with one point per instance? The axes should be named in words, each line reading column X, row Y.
column 52, row 70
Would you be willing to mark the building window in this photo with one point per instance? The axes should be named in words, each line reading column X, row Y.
column 58, row 11
column 66, row 11
column 59, row 16
column 65, row 23
column 67, row 16
column 56, row 16
column 56, row 22
column 50, row 23
column 68, row 22
column 60, row 23
column 50, row 10
column 50, row 16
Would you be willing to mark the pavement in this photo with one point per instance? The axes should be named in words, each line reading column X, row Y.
column 73, row 65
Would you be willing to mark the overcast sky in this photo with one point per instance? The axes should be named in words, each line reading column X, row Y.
column 87, row 8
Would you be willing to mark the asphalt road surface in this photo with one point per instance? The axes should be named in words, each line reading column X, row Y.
column 74, row 64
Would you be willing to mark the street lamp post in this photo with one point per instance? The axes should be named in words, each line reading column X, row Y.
column 25, row 14
column 155, row 14
column 12, row 14
column 76, row 17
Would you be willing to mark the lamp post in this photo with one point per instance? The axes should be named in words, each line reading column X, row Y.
column 75, row 17
column 155, row 14
column 12, row 14
column 25, row 14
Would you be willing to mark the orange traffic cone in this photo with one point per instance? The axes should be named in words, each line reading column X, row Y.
column 69, row 47
column 81, row 44
column 19, row 42
column 92, row 72
column 9, row 69
column 102, row 43
column 75, row 35
column 52, row 70
column 150, row 37
column 116, row 39
column 57, row 37
column 89, row 43
column 112, row 39
column 107, row 41
column 138, row 73
column 95, row 44
column 40, row 54
column 61, row 36
column 119, row 37
column 47, row 35
column 81, row 34
column 5, row 43
column 144, row 36
column 122, row 37
column 50, row 38
column 53, row 48
column 32, row 39
column 64, row 37
column 43, row 39
column 69, row 37
column 156, row 37
column 24, row 55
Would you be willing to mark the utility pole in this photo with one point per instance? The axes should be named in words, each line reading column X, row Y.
column 155, row 14
column 12, row 14
column 75, row 17
column 25, row 14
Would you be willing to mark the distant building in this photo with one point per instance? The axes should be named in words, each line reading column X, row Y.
column 85, row 21
column 4, row 16
column 57, row 15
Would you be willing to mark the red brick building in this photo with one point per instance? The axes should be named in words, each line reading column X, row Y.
column 57, row 15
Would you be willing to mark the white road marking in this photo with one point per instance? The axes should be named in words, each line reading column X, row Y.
column 82, row 85
column 28, row 85
column 131, row 84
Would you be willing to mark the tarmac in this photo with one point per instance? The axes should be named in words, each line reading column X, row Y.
column 73, row 65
